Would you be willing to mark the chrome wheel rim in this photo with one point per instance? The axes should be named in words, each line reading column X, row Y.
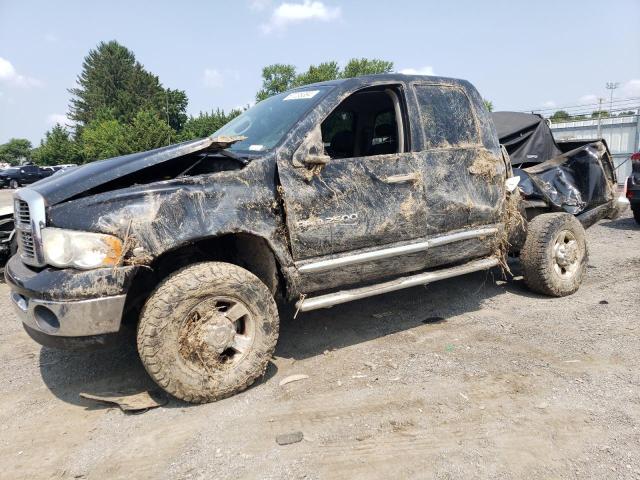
column 217, row 334
column 567, row 254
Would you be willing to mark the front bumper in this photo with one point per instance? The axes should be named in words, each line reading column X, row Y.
column 68, row 303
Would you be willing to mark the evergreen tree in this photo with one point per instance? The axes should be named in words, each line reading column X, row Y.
column 57, row 148
column 104, row 139
column 148, row 131
column 206, row 123
column 112, row 79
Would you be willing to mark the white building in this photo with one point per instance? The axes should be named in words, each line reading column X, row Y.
column 622, row 135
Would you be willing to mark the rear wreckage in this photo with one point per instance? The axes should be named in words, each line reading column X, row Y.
column 324, row 194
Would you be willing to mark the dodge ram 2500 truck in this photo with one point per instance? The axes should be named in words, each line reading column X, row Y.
column 322, row 195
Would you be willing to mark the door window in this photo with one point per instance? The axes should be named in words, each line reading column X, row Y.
column 446, row 116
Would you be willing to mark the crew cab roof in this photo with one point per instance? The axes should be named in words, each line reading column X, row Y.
column 365, row 80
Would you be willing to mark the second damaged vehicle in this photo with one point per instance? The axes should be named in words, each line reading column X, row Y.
column 324, row 194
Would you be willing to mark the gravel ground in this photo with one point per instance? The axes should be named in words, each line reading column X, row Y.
column 5, row 196
column 472, row 377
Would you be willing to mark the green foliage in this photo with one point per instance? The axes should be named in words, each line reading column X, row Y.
column 206, row 123
column 488, row 104
column 599, row 114
column 112, row 80
column 15, row 151
column 104, row 139
column 57, row 148
column 356, row 67
column 318, row 73
column 148, row 131
column 276, row 78
column 560, row 116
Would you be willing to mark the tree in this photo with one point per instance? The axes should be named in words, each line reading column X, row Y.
column 104, row 139
column 206, row 123
column 276, row 78
column 599, row 114
column 318, row 73
column 148, row 131
column 114, row 80
column 488, row 104
column 560, row 116
column 57, row 148
column 356, row 67
column 15, row 151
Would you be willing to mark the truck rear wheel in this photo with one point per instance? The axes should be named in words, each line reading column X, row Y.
column 14, row 184
column 208, row 331
column 554, row 256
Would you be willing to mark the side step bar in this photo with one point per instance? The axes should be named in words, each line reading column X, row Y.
column 344, row 296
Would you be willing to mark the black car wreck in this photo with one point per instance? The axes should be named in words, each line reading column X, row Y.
column 324, row 194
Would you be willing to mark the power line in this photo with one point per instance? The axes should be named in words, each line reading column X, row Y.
column 582, row 106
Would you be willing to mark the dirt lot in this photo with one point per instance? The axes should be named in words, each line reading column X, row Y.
column 469, row 378
column 5, row 196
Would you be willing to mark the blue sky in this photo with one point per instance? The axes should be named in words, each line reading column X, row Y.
column 521, row 55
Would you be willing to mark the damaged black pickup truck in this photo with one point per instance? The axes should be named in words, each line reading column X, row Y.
column 324, row 194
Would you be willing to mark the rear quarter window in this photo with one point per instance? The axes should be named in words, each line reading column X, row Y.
column 446, row 116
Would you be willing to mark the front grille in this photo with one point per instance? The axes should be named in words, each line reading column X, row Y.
column 22, row 213
column 30, row 218
column 26, row 244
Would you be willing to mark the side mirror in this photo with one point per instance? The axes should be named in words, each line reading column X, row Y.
column 311, row 151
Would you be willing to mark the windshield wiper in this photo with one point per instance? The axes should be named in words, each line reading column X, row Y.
column 228, row 153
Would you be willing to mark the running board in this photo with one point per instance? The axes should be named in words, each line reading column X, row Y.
column 344, row 296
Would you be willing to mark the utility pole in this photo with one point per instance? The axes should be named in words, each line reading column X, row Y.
column 599, row 117
column 611, row 86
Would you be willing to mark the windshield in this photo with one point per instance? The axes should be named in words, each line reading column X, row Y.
column 267, row 122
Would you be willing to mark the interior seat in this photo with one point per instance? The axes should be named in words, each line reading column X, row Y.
column 388, row 146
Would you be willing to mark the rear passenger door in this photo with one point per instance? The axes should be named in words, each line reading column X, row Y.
column 464, row 180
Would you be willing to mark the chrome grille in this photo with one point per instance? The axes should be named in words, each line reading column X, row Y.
column 22, row 214
column 29, row 213
column 27, row 247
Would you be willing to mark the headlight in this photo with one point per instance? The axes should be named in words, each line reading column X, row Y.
column 83, row 250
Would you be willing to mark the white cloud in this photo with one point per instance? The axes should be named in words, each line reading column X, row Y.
column 213, row 78
column 631, row 89
column 290, row 13
column 60, row 118
column 259, row 5
column 549, row 104
column 589, row 99
column 426, row 70
column 10, row 76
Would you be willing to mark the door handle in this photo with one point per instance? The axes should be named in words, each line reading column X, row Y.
column 402, row 178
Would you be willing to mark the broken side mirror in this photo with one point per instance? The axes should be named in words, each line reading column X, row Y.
column 311, row 151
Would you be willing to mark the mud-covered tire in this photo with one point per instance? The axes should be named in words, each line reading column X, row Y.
column 554, row 256
column 188, row 341
column 636, row 215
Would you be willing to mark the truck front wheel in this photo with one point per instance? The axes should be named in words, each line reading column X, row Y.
column 554, row 256
column 14, row 184
column 208, row 331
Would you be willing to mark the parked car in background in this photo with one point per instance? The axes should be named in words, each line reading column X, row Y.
column 7, row 237
column 15, row 177
column 632, row 186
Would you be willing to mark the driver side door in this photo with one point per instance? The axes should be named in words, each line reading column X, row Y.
column 348, row 206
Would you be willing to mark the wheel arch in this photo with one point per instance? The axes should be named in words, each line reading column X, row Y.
column 247, row 250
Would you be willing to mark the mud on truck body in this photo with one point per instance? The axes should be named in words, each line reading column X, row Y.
column 321, row 195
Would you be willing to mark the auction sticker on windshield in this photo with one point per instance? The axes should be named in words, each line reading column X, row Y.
column 301, row 95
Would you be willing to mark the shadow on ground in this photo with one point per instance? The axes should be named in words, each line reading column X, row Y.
column 626, row 223
column 67, row 374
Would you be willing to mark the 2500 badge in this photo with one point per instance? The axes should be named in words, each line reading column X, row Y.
column 347, row 219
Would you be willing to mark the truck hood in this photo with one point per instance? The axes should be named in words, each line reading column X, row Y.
column 58, row 188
